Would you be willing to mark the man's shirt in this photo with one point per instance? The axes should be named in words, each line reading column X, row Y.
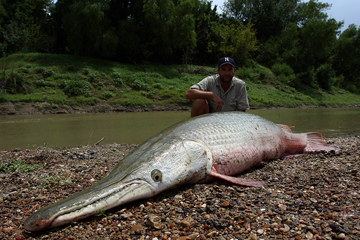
column 235, row 98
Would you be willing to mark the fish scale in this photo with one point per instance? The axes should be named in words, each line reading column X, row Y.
column 233, row 139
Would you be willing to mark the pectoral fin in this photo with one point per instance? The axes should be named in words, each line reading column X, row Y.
column 238, row 181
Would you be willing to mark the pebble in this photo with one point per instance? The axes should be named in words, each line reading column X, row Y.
column 302, row 198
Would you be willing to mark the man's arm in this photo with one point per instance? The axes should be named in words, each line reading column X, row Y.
column 193, row 94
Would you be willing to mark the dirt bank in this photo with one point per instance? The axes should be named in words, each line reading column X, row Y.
column 314, row 196
column 47, row 108
column 103, row 107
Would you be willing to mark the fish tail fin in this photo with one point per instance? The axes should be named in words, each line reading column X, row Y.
column 315, row 142
column 286, row 128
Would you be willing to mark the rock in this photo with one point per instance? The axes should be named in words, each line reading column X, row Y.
column 341, row 236
column 225, row 204
column 136, row 228
column 253, row 236
column 154, row 221
column 309, row 235
column 187, row 222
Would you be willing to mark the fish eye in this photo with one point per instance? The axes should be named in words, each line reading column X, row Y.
column 156, row 175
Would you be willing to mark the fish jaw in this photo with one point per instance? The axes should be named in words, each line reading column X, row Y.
column 179, row 162
column 75, row 208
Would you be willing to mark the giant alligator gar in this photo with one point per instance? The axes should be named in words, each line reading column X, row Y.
column 217, row 145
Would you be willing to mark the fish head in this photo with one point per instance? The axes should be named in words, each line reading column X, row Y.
column 164, row 165
column 148, row 170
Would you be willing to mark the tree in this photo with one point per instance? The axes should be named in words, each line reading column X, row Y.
column 88, row 31
column 24, row 25
column 236, row 41
column 169, row 27
column 206, row 19
column 311, row 10
column 269, row 17
column 347, row 57
column 317, row 39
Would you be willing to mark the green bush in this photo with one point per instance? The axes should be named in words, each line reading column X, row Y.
column 118, row 82
column 244, row 73
column 106, row 95
column 48, row 72
column 77, row 88
column 116, row 75
column 43, row 83
column 158, row 86
column 3, row 98
column 71, row 68
column 339, row 80
column 39, row 70
column 139, row 85
column 93, row 76
column 24, row 70
column 282, row 68
column 325, row 76
column 283, row 78
column 13, row 83
column 63, row 83
column 352, row 88
column 99, row 85
column 308, row 78
column 86, row 71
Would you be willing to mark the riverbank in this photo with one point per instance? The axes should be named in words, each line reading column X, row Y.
column 40, row 108
column 313, row 196
column 103, row 107
column 61, row 84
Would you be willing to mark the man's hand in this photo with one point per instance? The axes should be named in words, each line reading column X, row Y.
column 192, row 94
column 218, row 101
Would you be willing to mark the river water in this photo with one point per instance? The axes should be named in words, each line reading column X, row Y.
column 81, row 129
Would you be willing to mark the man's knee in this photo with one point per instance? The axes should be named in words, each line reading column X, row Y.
column 200, row 102
column 200, row 106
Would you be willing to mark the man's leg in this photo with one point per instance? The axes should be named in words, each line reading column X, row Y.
column 200, row 106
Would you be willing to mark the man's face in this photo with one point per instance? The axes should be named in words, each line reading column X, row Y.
column 226, row 73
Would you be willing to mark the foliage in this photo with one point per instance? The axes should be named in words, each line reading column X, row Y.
column 84, row 26
column 24, row 26
column 269, row 17
column 169, row 26
column 17, row 165
column 236, row 41
column 145, row 85
column 298, row 34
column 49, row 181
column 325, row 76
column 77, row 88
column 306, row 45
column 346, row 58
column 12, row 82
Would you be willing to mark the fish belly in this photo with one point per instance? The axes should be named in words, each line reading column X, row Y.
column 238, row 141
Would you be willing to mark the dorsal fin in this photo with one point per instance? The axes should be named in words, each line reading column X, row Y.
column 285, row 127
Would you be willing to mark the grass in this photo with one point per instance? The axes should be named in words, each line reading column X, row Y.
column 71, row 80
column 17, row 165
column 49, row 181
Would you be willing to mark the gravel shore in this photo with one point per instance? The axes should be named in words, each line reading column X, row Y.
column 313, row 196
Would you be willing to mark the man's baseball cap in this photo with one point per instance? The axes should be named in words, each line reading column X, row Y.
column 226, row 60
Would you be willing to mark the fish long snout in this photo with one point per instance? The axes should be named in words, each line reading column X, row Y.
column 87, row 203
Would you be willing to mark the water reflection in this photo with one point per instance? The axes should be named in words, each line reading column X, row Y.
column 82, row 129
column 329, row 121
